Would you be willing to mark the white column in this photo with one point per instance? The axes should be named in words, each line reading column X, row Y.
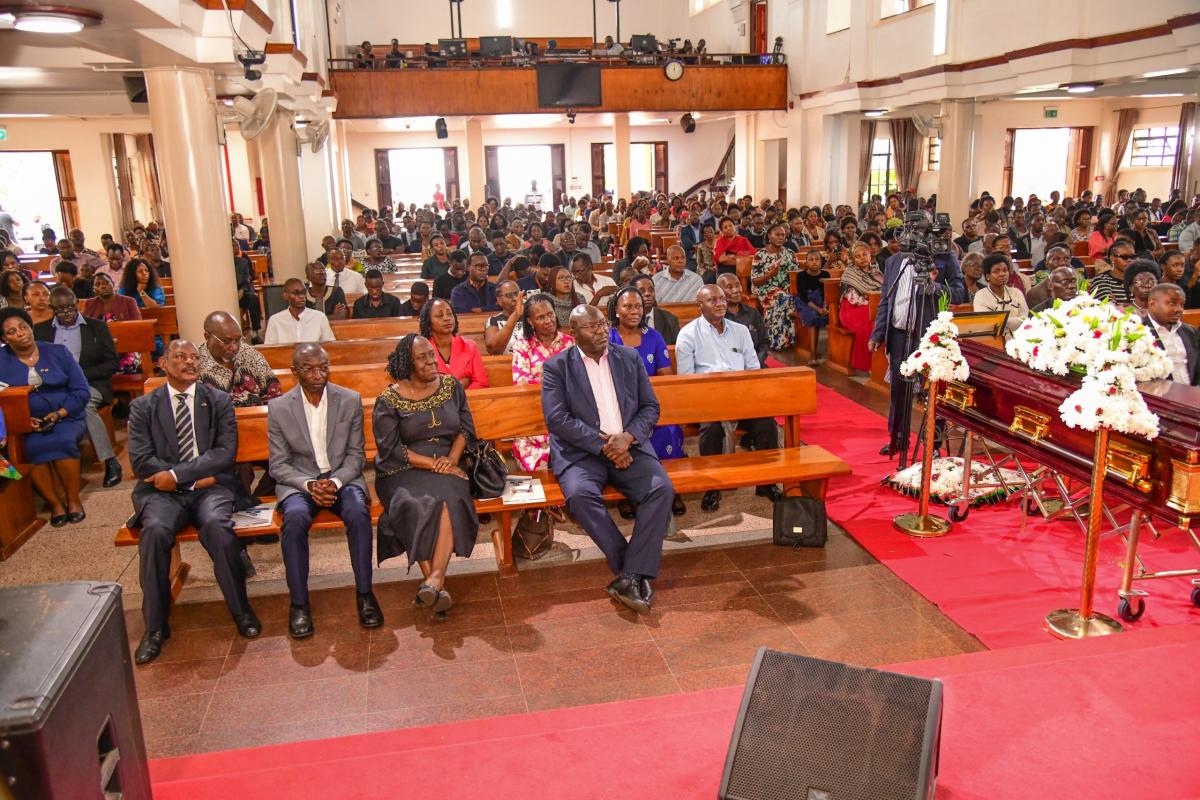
column 281, row 185
column 476, row 181
column 318, row 192
column 955, row 183
column 795, row 157
column 183, row 120
column 621, row 147
column 341, row 162
column 745, row 150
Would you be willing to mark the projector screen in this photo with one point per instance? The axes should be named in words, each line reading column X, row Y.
column 568, row 85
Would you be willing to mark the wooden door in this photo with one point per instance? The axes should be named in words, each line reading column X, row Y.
column 758, row 33
column 597, row 169
column 491, row 171
column 383, row 179
column 1079, row 161
column 450, row 168
column 660, row 167
column 558, row 175
column 1006, row 184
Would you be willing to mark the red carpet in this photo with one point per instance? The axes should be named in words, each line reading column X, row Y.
column 1102, row 718
column 987, row 575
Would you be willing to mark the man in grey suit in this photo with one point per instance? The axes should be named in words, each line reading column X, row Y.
column 182, row 446
column 315, row 436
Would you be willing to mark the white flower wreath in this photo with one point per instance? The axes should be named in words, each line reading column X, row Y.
column 938, row 358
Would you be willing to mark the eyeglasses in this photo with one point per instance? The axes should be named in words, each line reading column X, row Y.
column 594, row 327
column 222, row 342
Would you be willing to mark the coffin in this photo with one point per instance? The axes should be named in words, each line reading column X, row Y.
column 1017, row 407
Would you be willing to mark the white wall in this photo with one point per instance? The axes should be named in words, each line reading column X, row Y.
column 91, row 161
column 690, row 157
column 379, row 22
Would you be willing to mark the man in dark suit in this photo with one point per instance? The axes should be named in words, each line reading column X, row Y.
column 895, row 318
column 182, row 445
column 91, row 343
column 315, row 436
column 662, row 321
column 690, row 236
column 1180, row 340
column 601, row 411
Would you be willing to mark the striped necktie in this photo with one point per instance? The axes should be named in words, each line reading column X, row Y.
column 184, row 433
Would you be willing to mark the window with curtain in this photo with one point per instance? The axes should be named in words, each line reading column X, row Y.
column 883, row 170
column 890, row 8
column 1153, row 147
column 933, row 155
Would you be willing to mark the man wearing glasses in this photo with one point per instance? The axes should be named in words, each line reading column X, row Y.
column 228, row 365
column 91, row 344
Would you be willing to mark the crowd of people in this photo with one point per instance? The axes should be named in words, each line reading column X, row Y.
column 590, row 341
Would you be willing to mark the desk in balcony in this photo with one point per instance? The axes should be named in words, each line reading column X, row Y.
column 453, row 90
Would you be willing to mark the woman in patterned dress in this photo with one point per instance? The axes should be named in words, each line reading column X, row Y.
column 542, row 339
column 770, row 276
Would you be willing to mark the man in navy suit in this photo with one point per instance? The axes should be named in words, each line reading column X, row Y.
column 690, row 236
column 893, row 320
column 601, row 411
column 182, row 446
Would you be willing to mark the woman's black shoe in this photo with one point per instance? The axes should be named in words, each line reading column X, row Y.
column 677, row 506
column 58, row 520
column 75, row 517
column 625, row 509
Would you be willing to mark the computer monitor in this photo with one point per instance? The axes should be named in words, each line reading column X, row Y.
column 643, row 43
column 452, row 48
column 495, row 46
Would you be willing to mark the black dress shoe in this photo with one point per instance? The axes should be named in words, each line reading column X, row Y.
column 112, row 473
column 151, row 645
column 711, row 501
column 248, row 625
column 76, row 517
column 677, row 506
column 770, row 490
column 369, row 613
column 888, row 449
column 58, row 520
column 627, row 590
column 300, row 625
column 647, row 590
column 626, row 510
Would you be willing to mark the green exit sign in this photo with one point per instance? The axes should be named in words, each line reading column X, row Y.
column 3, row 134
column 1050, row 113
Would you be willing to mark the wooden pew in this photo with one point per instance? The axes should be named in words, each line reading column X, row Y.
column 166, row 323
column 879, row 360
column 504, row 413
column 18, row 514
column 134, row 336
column 399, row 326
column 840, row 340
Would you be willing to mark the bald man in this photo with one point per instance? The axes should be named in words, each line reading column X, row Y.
column 676, row 283
column 315, row 438
column 229, row 364
column 182, row 446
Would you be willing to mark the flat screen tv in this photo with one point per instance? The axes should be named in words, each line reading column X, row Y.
column 495, row 46
column 568, row 85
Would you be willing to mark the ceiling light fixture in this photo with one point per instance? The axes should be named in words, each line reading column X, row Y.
column 875, row 112
column 1082, row 87
column 51, row 19
column 1162, row 73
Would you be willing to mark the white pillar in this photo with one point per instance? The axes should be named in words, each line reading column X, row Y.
column 341, row 162
column 318, row 192
column 183, row 120
column 281, row 184
column 955, row 183
column 476, row 164
column 745, row 150
column 795, row 157
column 621, row 147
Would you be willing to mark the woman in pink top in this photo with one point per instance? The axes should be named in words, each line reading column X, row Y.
column 728, row 246
column 542, row 339
column 456, row 355
column 640, row 224
column 1103, row 237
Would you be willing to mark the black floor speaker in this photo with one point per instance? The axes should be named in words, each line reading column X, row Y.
column 810, row 729
column 69, row 722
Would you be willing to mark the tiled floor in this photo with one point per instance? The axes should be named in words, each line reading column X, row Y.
column 547, row 639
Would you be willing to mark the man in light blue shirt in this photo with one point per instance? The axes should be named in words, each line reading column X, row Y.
column 712, row 343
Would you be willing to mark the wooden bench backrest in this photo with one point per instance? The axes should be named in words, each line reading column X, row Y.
column 504, row 413
column 399, row 326
column 135, row 336
column 1192, row 317
column 166, row 323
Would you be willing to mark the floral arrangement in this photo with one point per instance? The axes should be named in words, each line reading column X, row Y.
column 1106, row 344
column 938, row 358
column 945, row 481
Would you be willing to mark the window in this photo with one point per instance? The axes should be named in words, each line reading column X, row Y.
column 837, row 16
column 890, row 8
column 933, row 156
column 1153, row 147
column 696, row 6
column 883, row 173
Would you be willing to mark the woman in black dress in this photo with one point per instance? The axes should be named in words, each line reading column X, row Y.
column 422, row 425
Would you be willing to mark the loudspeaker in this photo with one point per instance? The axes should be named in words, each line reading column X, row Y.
column 135, row 88
column 688, row 123
column 69, row 722
column 810, row 729
column 439, row 126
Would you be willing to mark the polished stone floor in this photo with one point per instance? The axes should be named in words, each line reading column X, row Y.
column 546, row 639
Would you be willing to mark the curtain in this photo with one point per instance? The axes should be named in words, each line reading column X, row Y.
column 1126, row 117
column 1180, row 177
column 866, row 147
column 906, row 145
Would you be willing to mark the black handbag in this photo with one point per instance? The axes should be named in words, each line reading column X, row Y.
column 485, row 470
column 800, row 522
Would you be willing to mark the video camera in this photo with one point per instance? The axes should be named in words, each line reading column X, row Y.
column 925, row 239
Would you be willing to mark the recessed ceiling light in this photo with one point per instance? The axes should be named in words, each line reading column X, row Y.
column 875, row 112
column 1166, row 94
column 51, row 19
column 1080, row 88
column 1164, row 72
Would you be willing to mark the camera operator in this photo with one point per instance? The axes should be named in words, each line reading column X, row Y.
column 898, row 325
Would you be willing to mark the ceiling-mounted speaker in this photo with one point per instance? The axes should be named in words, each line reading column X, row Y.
column 688, row 123
column 439, row 127
column 135, row 88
